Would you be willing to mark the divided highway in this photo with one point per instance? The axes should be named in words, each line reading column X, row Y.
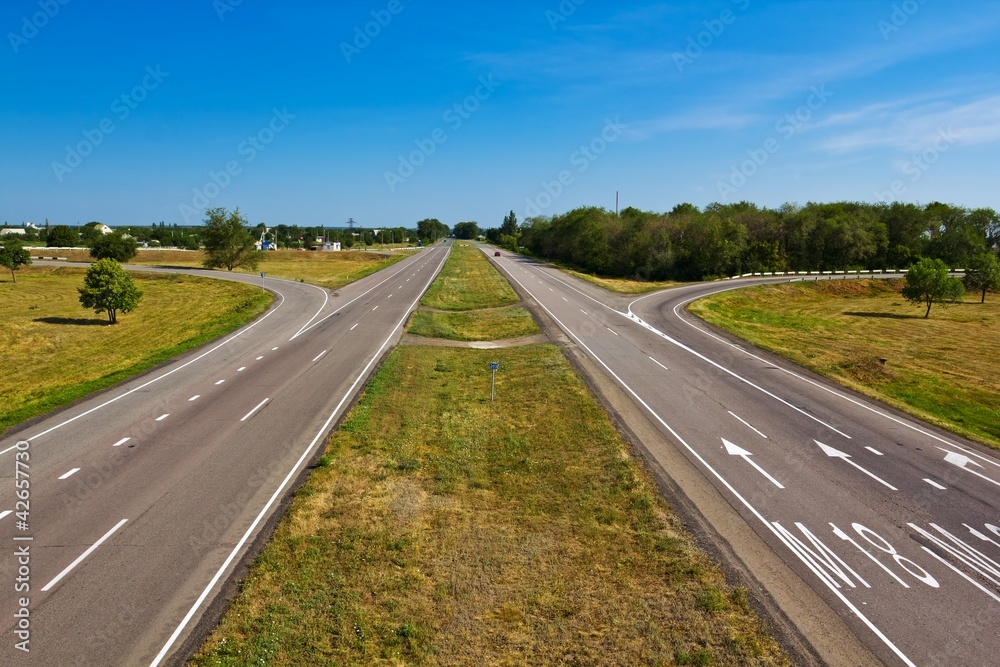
column 894, row 524
column 143, row 499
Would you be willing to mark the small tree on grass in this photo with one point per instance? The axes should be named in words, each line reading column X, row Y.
column 108, row 288
column 928, row 282
column 982, row 274
column 228, row 242
column 114, row 246
column 14, row 256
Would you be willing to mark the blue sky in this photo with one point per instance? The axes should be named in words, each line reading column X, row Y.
column 390, row 111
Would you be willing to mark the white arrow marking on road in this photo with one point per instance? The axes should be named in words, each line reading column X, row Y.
column 963, row 463
column 836, row 453
column 733, row 450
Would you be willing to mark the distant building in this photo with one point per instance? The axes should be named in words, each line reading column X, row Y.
column 12, row 230
column 331, row 247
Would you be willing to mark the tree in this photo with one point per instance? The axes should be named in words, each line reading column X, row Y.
column 108, row 288
column 982, row 273
column 228, row 242
column 467, row 230
column 509, row 226
column 114, row 246
column 928, row 282
column 13, row 255
column 61, row 236
column 431, row 229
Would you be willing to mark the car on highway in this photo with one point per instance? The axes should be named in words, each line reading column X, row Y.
column 496, row 254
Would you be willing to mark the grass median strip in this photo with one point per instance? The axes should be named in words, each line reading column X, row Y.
column 57, row 352
column 863, row 334
column 468, row 282
column 445, row 529
column 480, row 325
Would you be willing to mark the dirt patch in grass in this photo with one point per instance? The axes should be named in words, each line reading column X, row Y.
column 56, row 351
column 443, row 529
column 864, row 334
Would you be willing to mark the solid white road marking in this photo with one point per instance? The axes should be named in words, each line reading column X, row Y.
column 274, row 349
column 612, row 331
column 733, row 450
column 291, row 473
column 194, row 398
column 874, row 451
column 259, row 406
column 935, row 484
column 259, row 358
column 241, row 369
column 659, row 364
column 162, row 417
column 355, row 326
column 83, row 556
column 747, row 424
column 584, row 312
column 318, row 356
column 753, row 510
column 121, row 442
column 219, row 382
column 5, row 513
column 154, row 380
column 70, row 473
column 963, row 462
column 374, row 309
column 837, row 454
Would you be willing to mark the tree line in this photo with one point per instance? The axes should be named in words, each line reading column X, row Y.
column 689, row 243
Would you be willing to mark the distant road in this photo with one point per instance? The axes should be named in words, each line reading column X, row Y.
column 893, row 525
column 145, row 498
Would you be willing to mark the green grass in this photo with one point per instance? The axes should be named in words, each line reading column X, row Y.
column 944, row 369
column 443, row 529
column 480, row 325
column 468, row 282
column 56, row 351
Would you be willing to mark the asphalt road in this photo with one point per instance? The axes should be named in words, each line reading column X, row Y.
column 144, row 499
column 890, row 523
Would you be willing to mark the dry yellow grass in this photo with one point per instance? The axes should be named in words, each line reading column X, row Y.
column 944, row 369
column 326, row 269
column 56, row 351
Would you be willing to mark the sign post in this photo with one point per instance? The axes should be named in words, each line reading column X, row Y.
column 493, row 368
column 262, row 274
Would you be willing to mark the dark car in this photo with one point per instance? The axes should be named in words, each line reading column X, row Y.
column 496, row 254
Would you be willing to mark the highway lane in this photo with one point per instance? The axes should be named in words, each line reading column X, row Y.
column 892, row 522
column 145, row 498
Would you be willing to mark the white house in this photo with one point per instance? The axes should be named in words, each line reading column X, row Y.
column 12, row 230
